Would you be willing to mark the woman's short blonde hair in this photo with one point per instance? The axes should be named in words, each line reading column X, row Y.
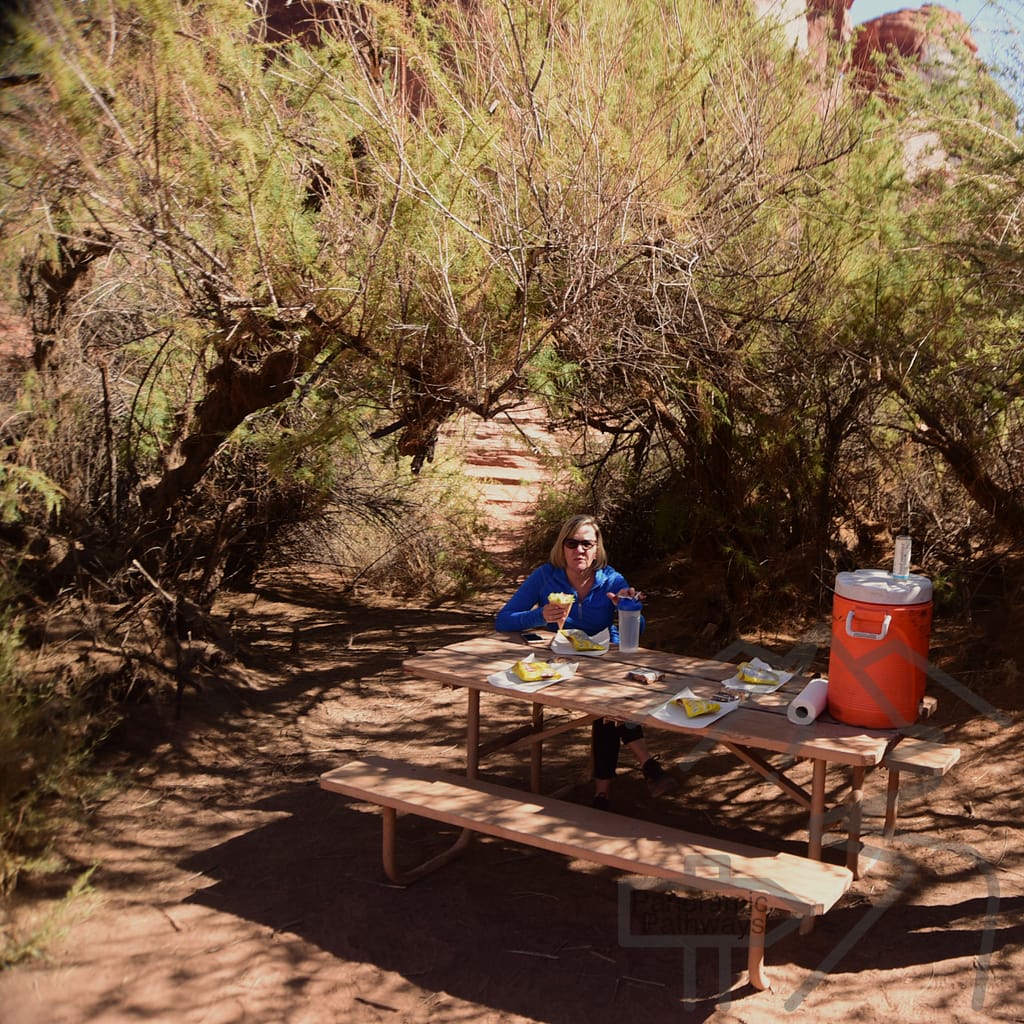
column 569, row 527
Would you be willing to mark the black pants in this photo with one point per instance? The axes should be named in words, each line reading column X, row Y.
column 606, row 739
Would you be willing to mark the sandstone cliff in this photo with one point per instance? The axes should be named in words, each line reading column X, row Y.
column 935, row 38
column 930, row 35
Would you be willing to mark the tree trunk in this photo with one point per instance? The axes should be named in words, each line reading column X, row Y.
column 236, row 392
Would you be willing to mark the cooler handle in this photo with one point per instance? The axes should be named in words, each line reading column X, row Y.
column 867, row 636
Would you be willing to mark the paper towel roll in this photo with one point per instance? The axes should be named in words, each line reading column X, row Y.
column 810, row 703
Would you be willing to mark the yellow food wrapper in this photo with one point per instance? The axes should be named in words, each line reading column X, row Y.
column 532, row 671
column 756, row 676
column 581, row 643
column 561, row 598
column 694, row 706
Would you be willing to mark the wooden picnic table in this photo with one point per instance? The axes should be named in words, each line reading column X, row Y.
column 756, row 730
column 759, row 729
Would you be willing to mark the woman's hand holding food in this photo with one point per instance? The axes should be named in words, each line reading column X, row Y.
column 558, row 607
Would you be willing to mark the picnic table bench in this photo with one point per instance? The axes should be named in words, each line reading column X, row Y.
column 764, row 878
column 916, row 757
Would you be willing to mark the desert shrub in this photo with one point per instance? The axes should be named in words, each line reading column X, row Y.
column 46, row 734
column 382, row 528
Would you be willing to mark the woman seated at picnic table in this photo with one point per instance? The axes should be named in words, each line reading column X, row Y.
column 578, row 565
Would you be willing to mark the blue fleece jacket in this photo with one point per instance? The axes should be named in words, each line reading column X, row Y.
column 596, row 611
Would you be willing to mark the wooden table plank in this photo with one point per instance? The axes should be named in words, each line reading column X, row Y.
column 600, row 688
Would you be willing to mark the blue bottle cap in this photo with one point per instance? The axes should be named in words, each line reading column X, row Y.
column 629, row 604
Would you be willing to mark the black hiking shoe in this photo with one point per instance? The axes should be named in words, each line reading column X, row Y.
column 659, row 782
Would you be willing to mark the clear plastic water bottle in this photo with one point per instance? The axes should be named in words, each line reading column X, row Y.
column 901, row 559
column 629, row 624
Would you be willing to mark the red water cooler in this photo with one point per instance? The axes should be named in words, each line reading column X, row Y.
column 877, row 666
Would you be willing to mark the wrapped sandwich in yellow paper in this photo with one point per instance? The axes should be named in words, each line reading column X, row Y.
column 695, row 707
column 533, row 671
column 755, row 675
column 580, row 641
column 561, row 598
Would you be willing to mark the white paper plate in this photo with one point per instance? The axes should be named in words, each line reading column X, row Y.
column 669, row 712
column 561, row 645
column 510, row 681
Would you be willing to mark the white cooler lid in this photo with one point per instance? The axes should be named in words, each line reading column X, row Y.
column 879, row 586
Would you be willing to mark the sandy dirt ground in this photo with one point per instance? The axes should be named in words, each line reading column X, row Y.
column 226, row 886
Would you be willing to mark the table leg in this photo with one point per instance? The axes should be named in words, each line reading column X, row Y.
column 815, row 826
column 755, row 950
column 892, row 803
column 389, row 835
column 536, row 749
column 855, row 807
column 472, row 733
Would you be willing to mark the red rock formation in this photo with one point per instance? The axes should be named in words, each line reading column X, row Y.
column 923, row 34
column 929, row 35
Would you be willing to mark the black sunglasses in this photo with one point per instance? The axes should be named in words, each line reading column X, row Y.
column 572, row 542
